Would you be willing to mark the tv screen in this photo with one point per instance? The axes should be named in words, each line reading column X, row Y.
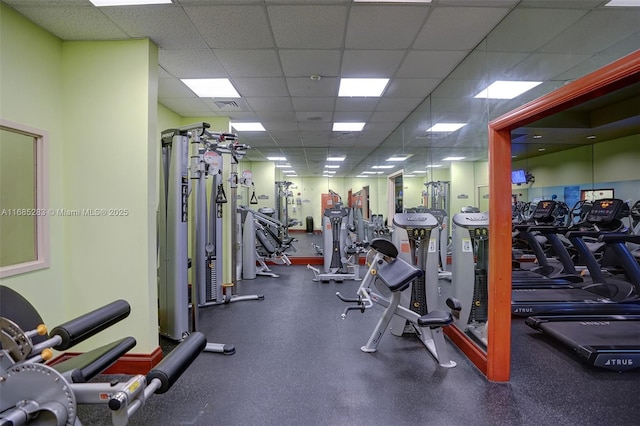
column 518, row 177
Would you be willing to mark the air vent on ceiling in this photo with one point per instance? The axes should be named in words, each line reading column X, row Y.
column 227, row 104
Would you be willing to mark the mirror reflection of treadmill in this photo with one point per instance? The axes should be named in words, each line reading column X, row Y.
column 606, row 341
column 606, row 294
column 559, row 272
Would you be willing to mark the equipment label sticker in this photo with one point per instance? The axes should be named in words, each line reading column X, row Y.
column 466, row 245
column 433, row 245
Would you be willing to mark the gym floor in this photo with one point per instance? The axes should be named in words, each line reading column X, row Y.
column 299, row 363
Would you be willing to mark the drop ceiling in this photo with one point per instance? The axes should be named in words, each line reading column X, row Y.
column 437, row 57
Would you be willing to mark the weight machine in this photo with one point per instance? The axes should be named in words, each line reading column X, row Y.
column 36, row 392
column 176, row 182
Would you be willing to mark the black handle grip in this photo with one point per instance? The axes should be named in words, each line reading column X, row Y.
column 85, row 326
column 172, row 367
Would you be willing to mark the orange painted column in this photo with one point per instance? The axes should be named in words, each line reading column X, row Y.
column 499, row 326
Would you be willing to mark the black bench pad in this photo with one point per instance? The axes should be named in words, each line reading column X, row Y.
column 435, row 318
column 385, row 247
column 398, row 274
column 82, row 368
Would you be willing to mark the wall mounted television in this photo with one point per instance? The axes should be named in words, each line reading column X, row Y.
column 518, row 177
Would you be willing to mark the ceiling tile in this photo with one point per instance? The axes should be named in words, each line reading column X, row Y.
column 168, row 26
column 308, row 26
column 356, row 104
column 313, row 104
column 261, row 87
column 408, row 87
column 273, row 104
column 384, row 27
column 250, row 63
column 304, row 87
column 231, row 27
column 304, row 63
column 429, row 64
column 371, row 63
column 190, row 63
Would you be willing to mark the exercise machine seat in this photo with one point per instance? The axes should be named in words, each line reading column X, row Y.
column 435, row 319
column 398, row 274
column 385, row 247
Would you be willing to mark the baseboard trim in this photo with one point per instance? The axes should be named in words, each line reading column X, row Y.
column 127, row 364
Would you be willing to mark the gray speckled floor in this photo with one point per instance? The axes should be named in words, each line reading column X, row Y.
column 298, row 363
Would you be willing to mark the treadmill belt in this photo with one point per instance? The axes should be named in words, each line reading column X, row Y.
column 554, row 295
column 597, row 334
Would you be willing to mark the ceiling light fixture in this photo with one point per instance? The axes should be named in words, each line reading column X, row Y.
column 408, row 175
column 331, row 166
column 362, row 176
column 383, row 167
column 362, row 86
column 277, row 158
column 348, row 127
column 248, row 127
column 503, row 89
column 452, row 159
column 399, row 157
column 621, row 3
column 430, row 166
column 445, row 127
column 211, row 87
column 283, row 166
column 336, row 158
column 101, row 3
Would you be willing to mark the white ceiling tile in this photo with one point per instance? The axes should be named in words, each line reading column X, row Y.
column 408, row 87
column 384, row 27
column 230, row 27
column 460, row 28
column 398, row 104
column 313, row 104
column 190, row 63
column 304, row 63
column 371, row 63
column 387, row 117
column 614, row 25
column 283, row 126
column 429, row 64
column 282, row 104
column 240, row 116
column 356, row 104
column 304, row 87
column 261, row 87
column 187, row 106
column 250, row 63
column 318, row 119
column 526, row 30
column 173, row 88
column 543, row 66
column 308, row 26
column 73, row 23
column 351, row 116
column 168, row 26
column 276, row 116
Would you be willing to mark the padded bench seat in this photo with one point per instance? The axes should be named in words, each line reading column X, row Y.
column 398, row 274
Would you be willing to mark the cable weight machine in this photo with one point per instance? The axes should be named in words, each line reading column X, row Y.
column 178, row 175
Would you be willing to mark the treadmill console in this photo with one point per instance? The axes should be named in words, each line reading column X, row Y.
column 605, row 211
column 544, row 211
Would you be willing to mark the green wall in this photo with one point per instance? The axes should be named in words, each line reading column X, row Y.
column 98, row 102
column 31, row 90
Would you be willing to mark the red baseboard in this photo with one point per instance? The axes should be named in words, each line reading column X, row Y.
column 304, row 231
column 127, row 364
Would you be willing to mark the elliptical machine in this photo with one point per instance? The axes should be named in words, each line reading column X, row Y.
column 339, row 263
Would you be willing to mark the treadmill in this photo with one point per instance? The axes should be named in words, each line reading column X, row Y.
column 547, row 274
column 604, row 294
column 606, row 341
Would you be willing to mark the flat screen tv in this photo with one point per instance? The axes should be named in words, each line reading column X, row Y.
column 518, row 177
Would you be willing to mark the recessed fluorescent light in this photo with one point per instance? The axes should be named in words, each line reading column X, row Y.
column 329, row 172
column 362, row 176
column 211, row 87
column 327, row 176
column 331, row 166
column 419, row 172
column 369, row 173
column 277, row 158
column 248, row 127
column 506, row 89
column 408, row 175
column 630, row 3
column 430, row 166
column 445, row 127
column 336, row 158
column 398, row 157
column 362, row 86
column 348, row 127
column 127, row 2
column 283, row 166
column 291, row 175
column 452, row 159
column 289, row 172
column 383, row 167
